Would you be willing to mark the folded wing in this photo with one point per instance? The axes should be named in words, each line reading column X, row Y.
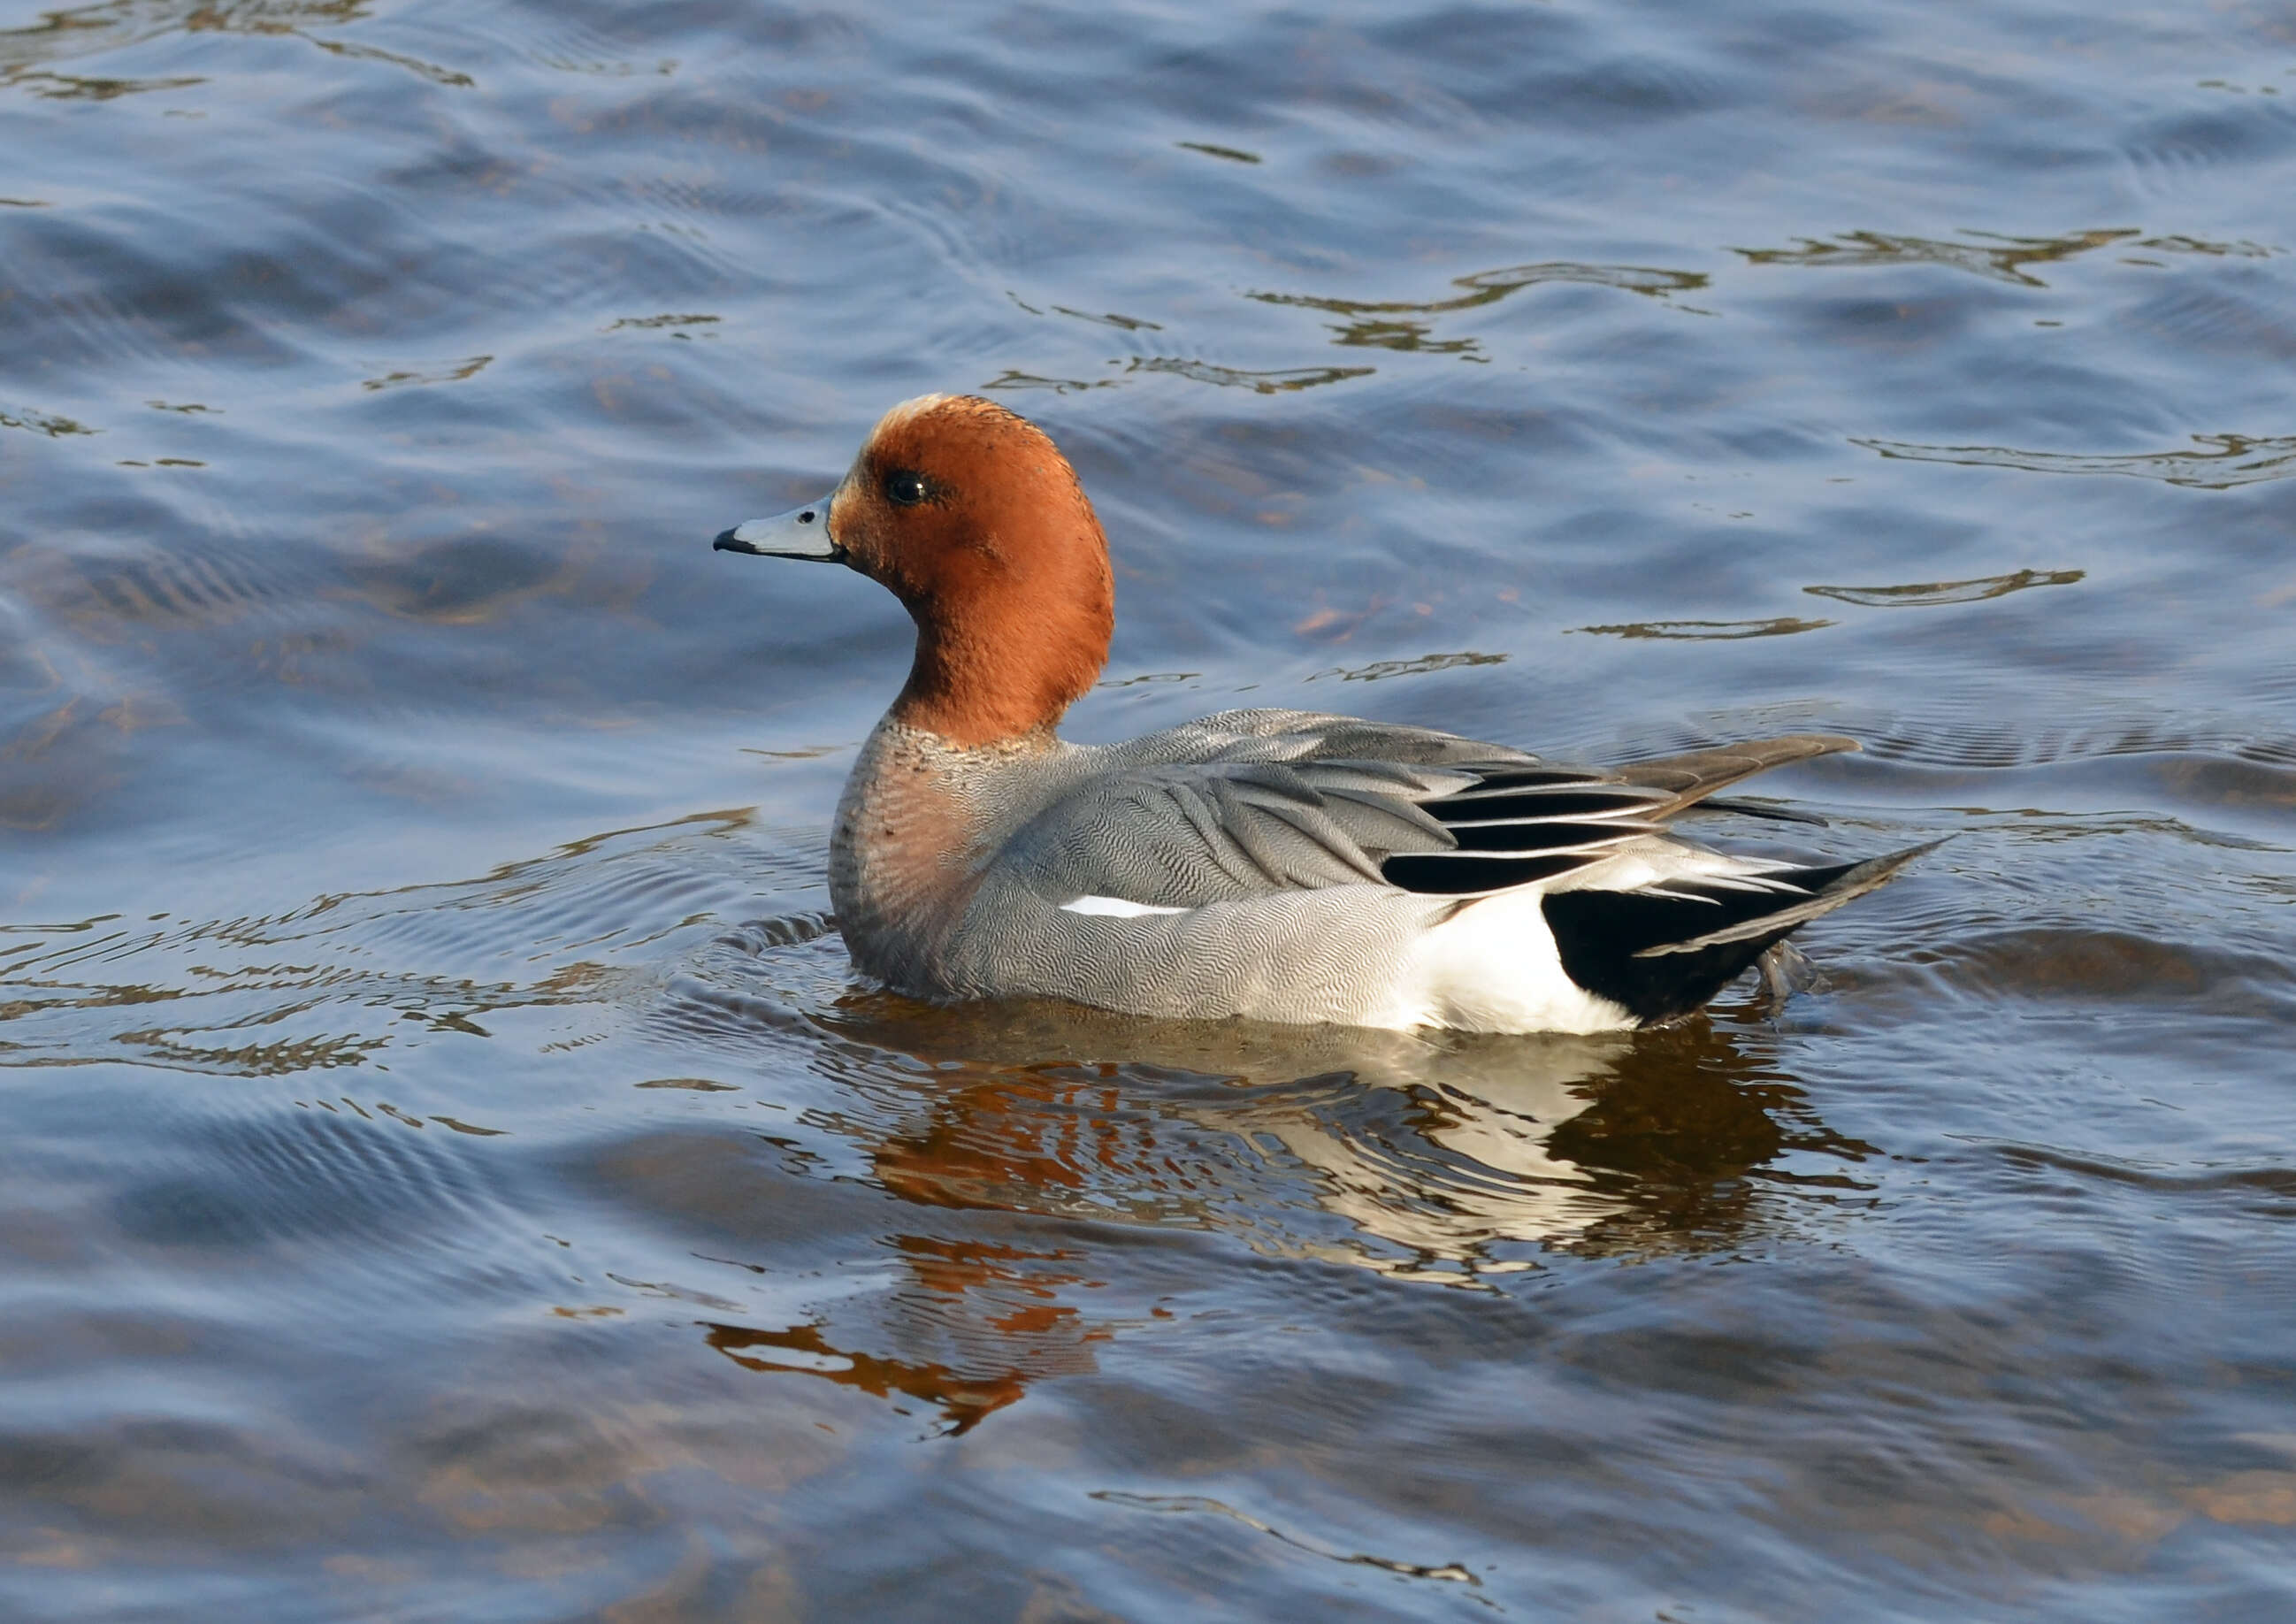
column 1253, row 802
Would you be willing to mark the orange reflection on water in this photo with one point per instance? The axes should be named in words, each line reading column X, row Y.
column 1002, row 1317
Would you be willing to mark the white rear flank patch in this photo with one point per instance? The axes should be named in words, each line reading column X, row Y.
column 1492, row 967
column 1115, row 907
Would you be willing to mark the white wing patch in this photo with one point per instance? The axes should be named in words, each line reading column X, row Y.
column 1115, row 907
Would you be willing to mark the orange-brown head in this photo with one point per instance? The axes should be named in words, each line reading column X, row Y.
column 977, row 523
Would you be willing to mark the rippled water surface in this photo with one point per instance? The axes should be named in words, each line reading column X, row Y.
column 451, row 1170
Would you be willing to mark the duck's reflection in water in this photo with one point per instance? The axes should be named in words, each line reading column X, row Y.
column 1447, row 1157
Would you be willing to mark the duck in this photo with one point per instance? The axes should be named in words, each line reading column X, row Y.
column 1280, row 865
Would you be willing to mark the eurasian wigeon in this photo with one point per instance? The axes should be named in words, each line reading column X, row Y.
column 1282, row 864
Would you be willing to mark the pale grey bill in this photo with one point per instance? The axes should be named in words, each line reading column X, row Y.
column 802, row 532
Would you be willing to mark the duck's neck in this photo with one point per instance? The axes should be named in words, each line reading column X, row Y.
column 1000, row 666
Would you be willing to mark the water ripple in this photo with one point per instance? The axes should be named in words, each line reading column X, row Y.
column 2233, row 460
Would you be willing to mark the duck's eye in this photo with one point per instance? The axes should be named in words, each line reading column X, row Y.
column 903, row 489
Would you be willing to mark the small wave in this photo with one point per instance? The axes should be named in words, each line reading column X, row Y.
column 1282, row 381
column 1378, row 670
column 1398, row 323
column 333, row 986
column 2276, row 1185
column 93, row 30
column 2209, row 318
column 2228, row 460
column 1930, row 594
column 191, row 583
column 1202, row 1504
column 2053, row 961
column 1987, row 254
column 1709, row 631
column 443, row 371
column 336, row 1171
column 54, row 424
column 2170, row 153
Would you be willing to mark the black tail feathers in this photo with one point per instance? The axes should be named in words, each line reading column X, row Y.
column 1661, row 953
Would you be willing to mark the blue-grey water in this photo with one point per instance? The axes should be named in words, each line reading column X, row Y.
column 452, row 1171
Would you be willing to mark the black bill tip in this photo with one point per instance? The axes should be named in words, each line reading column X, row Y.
column 727, row 542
